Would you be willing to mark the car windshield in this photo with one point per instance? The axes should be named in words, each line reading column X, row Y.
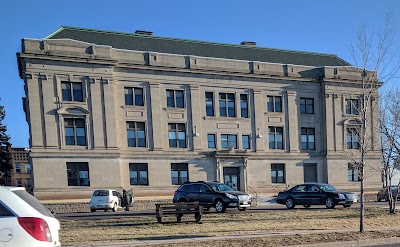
column 100, row 193
column 327, row 187
column 221, row 187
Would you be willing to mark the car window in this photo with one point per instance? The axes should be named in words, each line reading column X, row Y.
column 114, row 193
column 300, row 188
column 100, row 193
column 313, row 188
column 203, row 188
column 327, row 187
column 4, row 212
column 184, row 188
column 221, row 187
column 194, row 188
column 33, row 202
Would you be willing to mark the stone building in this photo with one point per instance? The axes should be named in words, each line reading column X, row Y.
column 21, row 174
column 118, row 110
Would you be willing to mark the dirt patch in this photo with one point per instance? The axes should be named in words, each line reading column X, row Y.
column 147, row 228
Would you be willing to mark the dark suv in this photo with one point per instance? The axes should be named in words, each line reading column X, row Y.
column 212, row 194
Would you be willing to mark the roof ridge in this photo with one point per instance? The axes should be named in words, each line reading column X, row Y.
column 190, row 41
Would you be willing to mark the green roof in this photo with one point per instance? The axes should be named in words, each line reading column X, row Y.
column 142, row 42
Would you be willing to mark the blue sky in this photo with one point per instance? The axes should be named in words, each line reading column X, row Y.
column 307, row 25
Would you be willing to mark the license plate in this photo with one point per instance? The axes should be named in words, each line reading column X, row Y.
column 245, row 203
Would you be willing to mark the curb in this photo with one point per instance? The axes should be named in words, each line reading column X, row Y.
column 364, row 242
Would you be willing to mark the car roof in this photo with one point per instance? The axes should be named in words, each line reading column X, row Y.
column 13, row 188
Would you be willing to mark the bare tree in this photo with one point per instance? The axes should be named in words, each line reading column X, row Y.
column 390, row 142
column 373, row 55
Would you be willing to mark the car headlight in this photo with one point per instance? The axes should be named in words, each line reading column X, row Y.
column 341, row 196
column 230, row 196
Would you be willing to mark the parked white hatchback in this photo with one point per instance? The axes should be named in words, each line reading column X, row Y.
column 24, row 221
column 105, row 200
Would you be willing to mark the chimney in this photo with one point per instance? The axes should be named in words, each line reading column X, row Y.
column 250, row 43
column 143, row 32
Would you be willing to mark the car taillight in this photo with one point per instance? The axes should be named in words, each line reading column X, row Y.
column 36, row 227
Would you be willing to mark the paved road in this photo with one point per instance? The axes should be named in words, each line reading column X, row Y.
column 151, row 213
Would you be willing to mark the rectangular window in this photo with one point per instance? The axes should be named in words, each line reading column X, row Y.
column 227, row 105
column 75, row 133
column 274, row 104
column 136, row 134
column 228, row 140
column 19, row 182
column 307, row 138
column 278, row 173
column 18, row 168
column 352, row 106
column 210, row 104
column 211, row 141
column 175, row 98
column 72, row 91
column 352, row 173
column 134, row 96
column 78, row 174
column 177, row 135
column 179, row 173
column 275, row 136
column 244, row 106
column 29, row 183
column 306, row 105
column 246, row 141
column 138, row 174
column 352, row 138
column 28, row 168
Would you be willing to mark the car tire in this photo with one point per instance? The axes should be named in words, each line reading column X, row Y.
column 378, row 199
column 242, row 209
column 289, row 202
column 105, row 210
column 307, row 205
column 219, row 206
column 114, row 209
column 329, row 203
column 92, row 210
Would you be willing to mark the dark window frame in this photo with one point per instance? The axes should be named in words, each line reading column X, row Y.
column 133, row 98
column 179, row 168
column 244, row 106
column 308, row 132
column 210, row 105
column 214, row 141
column 229, row 141
column 249, row 142
column 17, row 168
column 175, row 143
column 275, row 169
column 136, row 130
column 74, row 170
column 353, row 174
column 352, row 107
column 75, row 127
column 305, row 104
column 226, row 99
column 174, row 100
column 138, row 168
column 71, row 93
column 273, row 131
column 352, row 135
column 273, row 105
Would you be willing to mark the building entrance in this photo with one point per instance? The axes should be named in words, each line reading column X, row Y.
column 232, row 177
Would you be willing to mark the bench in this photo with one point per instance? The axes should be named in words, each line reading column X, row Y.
column 178, row 209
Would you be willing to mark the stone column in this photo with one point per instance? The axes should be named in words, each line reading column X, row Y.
column 292, row 129
column 36, row 122
column 47, row 86
column 109, row 112
column 156, row 117
column 95, row 101
column 259, row 113
column 330, row 122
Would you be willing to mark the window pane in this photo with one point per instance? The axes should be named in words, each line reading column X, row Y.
column 231, row 108
column 271, row 137
column 302, row 105
column 174, row 177
column 246, row 142
column 270, row 104
column 233, row 141
column 170, row 98
column 222, row 108
column 172, row 139
column 143, row 177
column 78, row 94
column 278, row 104
column 128, row 96
column 139, row 97
column 69, row 136
column 224, row 141
column 179, row 99
column 182, row 139
column 66, row 91
column 80, row 137
column 243, row 105
column 209, row 104
column 141, row 138
column 211, row 141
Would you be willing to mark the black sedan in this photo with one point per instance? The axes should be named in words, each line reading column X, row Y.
column 315, row 194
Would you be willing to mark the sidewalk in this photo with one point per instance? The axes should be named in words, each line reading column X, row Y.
column 367, row 242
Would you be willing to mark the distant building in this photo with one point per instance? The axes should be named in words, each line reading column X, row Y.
column 21, row 174
column 119, row 110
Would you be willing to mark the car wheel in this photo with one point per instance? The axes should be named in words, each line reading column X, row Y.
column 307, row 205
column 242, row 209
column 346, row 205
column 92, row 210
column 219, row 206
column 114, row 209
column 378, row 199
column 329, row 202
column 289, row 203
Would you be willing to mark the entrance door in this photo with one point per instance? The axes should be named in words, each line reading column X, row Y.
column 231, row 177
column 310, row 173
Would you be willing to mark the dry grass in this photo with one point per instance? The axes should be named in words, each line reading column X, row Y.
column 147, row 228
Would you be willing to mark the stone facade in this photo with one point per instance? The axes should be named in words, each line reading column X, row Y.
column 313, row 106
column 21, row 174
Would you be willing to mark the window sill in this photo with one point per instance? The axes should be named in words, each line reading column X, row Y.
column 129, row 107
column 73, row 102
column 175, row 109
column 219, row 118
